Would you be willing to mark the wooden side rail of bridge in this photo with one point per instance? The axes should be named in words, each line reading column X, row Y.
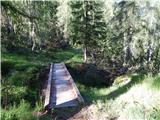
column 61, row 90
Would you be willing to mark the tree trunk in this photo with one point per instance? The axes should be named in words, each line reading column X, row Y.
column 32, row 37
column 127, row 52
column 125, row 47
column 9, row 25
column 150, row 50
column 86, row 20
column 85, row 54
column 33, row 46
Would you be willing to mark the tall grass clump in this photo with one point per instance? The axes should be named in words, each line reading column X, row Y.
column 20, row 112
column 156, row 82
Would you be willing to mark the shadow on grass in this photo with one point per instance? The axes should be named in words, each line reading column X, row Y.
column 88, row 75
column 88, row 91
column 134, row 80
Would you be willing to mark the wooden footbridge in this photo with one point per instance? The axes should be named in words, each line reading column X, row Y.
column 61, row 90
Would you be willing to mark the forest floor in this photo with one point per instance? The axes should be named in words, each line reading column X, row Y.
column 132, row 96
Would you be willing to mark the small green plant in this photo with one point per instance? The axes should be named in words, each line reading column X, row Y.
column 39, row 105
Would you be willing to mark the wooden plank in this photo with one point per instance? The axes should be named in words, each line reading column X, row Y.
column 80, row 98
column 48, row 90
column 63, row 97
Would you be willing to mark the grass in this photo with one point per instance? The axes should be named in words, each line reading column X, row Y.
column 156, row 82
column 138, row 101
column 132, row 96
column 20, row 112
column 44, row 57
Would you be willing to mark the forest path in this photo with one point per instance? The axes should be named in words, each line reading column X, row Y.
column 61, row 90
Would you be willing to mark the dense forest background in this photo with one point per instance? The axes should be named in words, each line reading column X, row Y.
column 111, row 34
column 98, row 40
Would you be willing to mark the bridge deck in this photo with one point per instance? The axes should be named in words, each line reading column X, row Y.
column 61, row 90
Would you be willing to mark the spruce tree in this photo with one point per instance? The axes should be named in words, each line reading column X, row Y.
column 87, row 26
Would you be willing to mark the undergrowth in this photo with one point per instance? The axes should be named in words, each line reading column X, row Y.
column 132, row 96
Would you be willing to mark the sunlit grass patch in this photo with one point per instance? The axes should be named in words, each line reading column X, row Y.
column 156, row 82
column 75, row 58
column 44, row 57
column 139, row 101
column 121, row 80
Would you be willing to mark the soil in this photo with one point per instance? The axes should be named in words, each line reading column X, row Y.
column 76, row 113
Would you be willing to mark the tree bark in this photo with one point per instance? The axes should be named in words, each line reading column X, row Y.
column 9, row 25
column 150, row 50
column 85, row 54
column 33, row 46
column 32, row 37
column 127, row 51
column 125, row 47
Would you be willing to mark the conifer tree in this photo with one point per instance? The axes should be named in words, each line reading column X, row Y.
column 87, row 26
